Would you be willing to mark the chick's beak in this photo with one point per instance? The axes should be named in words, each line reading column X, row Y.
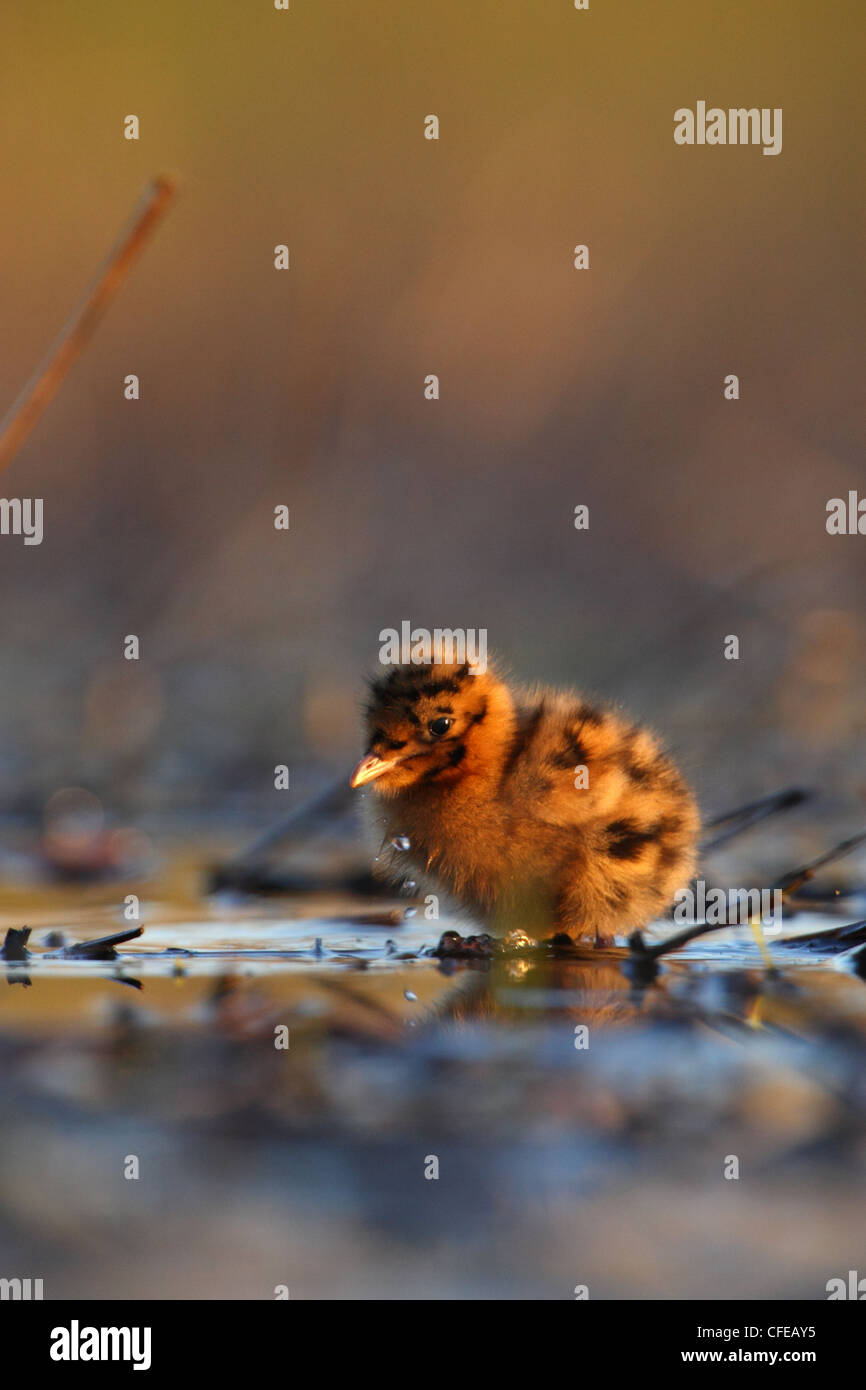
column 371, row 767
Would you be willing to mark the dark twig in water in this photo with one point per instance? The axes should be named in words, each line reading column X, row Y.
column 828, row 940
column 129, row 980
column 639, row 947
column 642, row 957
column 736, row 822
column 858, row 961
column 76, row 334
column 641, row 965
column 15, row 944
column 101, row 949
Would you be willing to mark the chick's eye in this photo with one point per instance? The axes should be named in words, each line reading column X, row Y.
column 438, row 727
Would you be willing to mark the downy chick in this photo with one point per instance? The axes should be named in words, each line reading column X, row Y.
column 534, row 809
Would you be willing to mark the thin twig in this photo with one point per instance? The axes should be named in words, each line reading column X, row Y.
column 789, row 882
column 76, row 334
column 744, row 817
column 300, row 823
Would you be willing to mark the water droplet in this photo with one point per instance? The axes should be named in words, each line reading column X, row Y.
column 408, row 888
column 519, row 940
column 411, row 912
column 407, row 994
column 401, row 842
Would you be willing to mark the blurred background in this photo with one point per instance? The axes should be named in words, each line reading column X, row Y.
column 306, row 388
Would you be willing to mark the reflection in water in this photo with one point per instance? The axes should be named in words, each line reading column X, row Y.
column 579, row 1112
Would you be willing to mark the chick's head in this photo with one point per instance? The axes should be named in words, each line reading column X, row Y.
column 430, row 724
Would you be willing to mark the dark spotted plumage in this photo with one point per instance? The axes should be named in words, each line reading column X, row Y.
column 626, row 839
column 532, row 809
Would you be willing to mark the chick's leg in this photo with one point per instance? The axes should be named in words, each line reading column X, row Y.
column 590, row 909
column 527, row 908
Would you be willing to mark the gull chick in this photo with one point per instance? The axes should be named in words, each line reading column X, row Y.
column 535, row 809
